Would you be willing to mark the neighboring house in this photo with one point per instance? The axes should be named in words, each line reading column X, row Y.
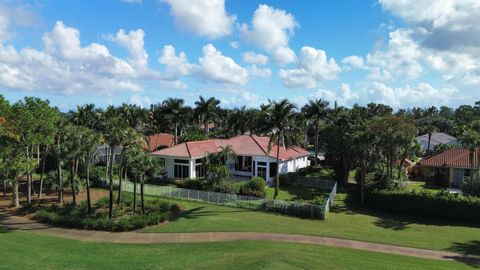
column 449, row 167
column 437, row 138
column 252, row 157
column 104, row 151
column 159, row 141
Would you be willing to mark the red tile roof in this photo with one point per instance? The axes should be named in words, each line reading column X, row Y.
column 454, row 157
column 160, row 139
column 243, row 145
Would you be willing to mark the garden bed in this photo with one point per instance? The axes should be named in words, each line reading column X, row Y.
column 124, row 219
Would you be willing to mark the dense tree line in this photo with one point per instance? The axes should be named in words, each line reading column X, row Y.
column 363, row 137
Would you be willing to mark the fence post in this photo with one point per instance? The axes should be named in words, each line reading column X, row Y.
column 188, row 193
column 198, row 195
column 218, row 198
column 208, row 196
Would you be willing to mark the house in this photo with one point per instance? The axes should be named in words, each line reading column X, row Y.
column 159, row 141
column 448, row 168
column 185, row 160
column 437, row 138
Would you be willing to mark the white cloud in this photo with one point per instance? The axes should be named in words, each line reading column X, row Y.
column 219, row 68
column 4, row 23
column 133, row 41
column 353, row 61
column 205, row 18
column 254, row 58
column 175, row 65
column 313, row 68
column 253, row 70
column 234, row 44
column 271, row 30
column 142, row 101
column 212, row 66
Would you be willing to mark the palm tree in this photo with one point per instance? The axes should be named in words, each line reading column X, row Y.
column 140, row 163
column 90, row 140
column 469, row 140
column 114, row 129
column 430, row 129
column 316, row 112
column 175, row 108
column 206, row 111
column 280, row 116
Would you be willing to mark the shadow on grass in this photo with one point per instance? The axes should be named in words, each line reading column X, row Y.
column 347, row 202
column 303, row 193
column 470, row 251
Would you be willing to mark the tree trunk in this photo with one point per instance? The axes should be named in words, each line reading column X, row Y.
column 176, row 134
column 135, row 194
column 120, row 176
column 142, row 194
column 400, row 168
column 72, row 182
column 5, row 183
column 87, row 180
column 110, row 202
column 478, row 164
column 40, row 191
column 29, row 180
column 316, row 143
column 277, row 176
column 107, row 160
column 472, row 166
column 16, row 201
column 205, row 126
column 60, row 187
column 363, row 173
column 429, row 139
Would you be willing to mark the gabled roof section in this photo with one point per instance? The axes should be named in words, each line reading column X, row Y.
column 243, row 145
column 160, row 139
column 437, row 138
column 454, row 157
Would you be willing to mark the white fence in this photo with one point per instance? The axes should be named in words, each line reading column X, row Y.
column 255, row 203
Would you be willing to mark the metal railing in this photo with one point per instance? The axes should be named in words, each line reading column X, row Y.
column 290, row 208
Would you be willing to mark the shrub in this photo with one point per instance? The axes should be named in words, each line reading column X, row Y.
column 288, row 179
column 426, row 204
column 319, row 200
column 225, row 187
column 196, row 183
column 97, row 175
column 471, row 187
column 255, row 187
column 77, row 217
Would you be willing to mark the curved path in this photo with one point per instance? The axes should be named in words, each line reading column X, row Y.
column 25, row 224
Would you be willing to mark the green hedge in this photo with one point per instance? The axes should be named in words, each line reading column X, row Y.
column 424, row 204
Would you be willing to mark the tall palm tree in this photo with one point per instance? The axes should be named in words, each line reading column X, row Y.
column 280, row 116
column 206, row 111
column 469, row 140
column 114, row 129
column 90, row 140
column 316, row 111
column 140, row 163
column 430, row 129
column 175, row 108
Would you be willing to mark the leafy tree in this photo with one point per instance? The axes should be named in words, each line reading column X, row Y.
column 140, row 163
column 175, row 109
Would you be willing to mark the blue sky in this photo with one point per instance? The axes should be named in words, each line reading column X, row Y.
column 401, row 53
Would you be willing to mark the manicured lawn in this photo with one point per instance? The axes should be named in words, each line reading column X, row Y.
column 295, row 193
column 344, row 221
column 21, row 250
column 419, row 186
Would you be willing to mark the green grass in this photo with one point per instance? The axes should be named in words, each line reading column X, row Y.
column 295, row 193
column 423, row 186
column 344, row 221
column 21, row 250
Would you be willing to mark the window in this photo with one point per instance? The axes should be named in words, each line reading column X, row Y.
column 199, row 168
column 273, row 169
column 262, row 172
column 181, row 168
column 243, row 163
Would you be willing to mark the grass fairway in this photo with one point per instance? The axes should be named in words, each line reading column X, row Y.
column 21, row 250
column 350, row 222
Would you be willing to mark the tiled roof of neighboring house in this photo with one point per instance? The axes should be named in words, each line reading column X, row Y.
column 436, row 139
column 243, row 145
column 454, row 157
column 160, row 139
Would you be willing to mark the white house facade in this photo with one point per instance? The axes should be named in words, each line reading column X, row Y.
column 252, row 158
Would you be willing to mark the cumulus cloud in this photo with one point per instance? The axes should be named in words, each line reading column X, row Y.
column 353, row 61
column 4, row 23
column 254, row 58
column 212, row 66
column 255, row 71
column 133, row 41
column 443, row 35
column 142, row 101
column 206, row 18
column 271, row 30
column 219, row 68
column 313, row 68
column 65, row 67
